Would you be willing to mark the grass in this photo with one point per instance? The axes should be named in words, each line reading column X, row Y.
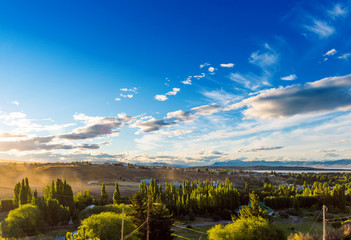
column 197, row 232
column 304, row 226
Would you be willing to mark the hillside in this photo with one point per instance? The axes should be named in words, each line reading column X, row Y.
column 78, row 175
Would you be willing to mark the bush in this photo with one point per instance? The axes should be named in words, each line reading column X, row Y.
column 253, row 228
column 7, row 204
column 300, row 236
column 107, row 225
column 21, row 222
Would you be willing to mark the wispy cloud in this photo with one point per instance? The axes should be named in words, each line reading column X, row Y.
column 264, row 59
column 320, row 28
column 345, row 56
column 205, row 65
column 15, row 103
column 42, row 143
column 250, row 81
column 338, row 11
column 220, row 96
column 227, row 65
column 256, row 149
column 290, row 77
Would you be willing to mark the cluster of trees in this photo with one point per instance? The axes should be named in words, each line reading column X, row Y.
column 195, row 198
column 316, row 194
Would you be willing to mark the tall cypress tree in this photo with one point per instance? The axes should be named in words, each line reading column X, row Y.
column 104, row 196
column 116, row 195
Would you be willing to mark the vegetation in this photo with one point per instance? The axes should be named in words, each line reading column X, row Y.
column 296, row 194
column 253, row 228
column 23, row 221
column 107, row 226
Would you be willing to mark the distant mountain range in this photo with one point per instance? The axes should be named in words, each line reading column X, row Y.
column 342, row 163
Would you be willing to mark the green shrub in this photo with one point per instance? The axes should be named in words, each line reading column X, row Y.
column 23, row 221
column 254, row 228
column 107, row 225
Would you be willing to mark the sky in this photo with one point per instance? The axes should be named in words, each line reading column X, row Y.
column 177, row 82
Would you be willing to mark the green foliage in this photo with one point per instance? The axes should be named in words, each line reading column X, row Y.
column 107, row 225
column 22, row 193
column 160, row 218
column 82, row 234
column 254, row 209
column 23, row 221
column 253, row 228
column 116, row 195
column 107, row 208
column 61, row 191
column 7, row 204
column 54, row 213
column 82, row 200
column 104, row 196
column 300, row 236
column 161, row 222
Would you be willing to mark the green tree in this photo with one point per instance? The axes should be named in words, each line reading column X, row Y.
column 253, row 228
column 107, row 226
column 161, row 222
column 104, row 196
column 54, row 213
column 116, row 195
column 254, row 208
column 23, row 221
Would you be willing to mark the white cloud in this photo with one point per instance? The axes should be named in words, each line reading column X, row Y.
column 338, row 11
column 126, row 95
column 331, row 52
column 173, row 92
column 211, row 69
column 250, row 81
column 321, row 28
column 227, row 65
column 161, row 98
column 264, row 60
column 202, row 75
column 290, row 77
column 117, row 99
column 15, row 103
column 187, row 81
column 345, row 56
column 205, row 65
column 134, row 89
column 220, row 96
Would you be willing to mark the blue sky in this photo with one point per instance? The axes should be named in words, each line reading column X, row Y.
column 177, row 82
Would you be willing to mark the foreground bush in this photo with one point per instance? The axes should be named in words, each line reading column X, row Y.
column 23, row 221
column 300, row 236
column 254, row 228
column 107, row 226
